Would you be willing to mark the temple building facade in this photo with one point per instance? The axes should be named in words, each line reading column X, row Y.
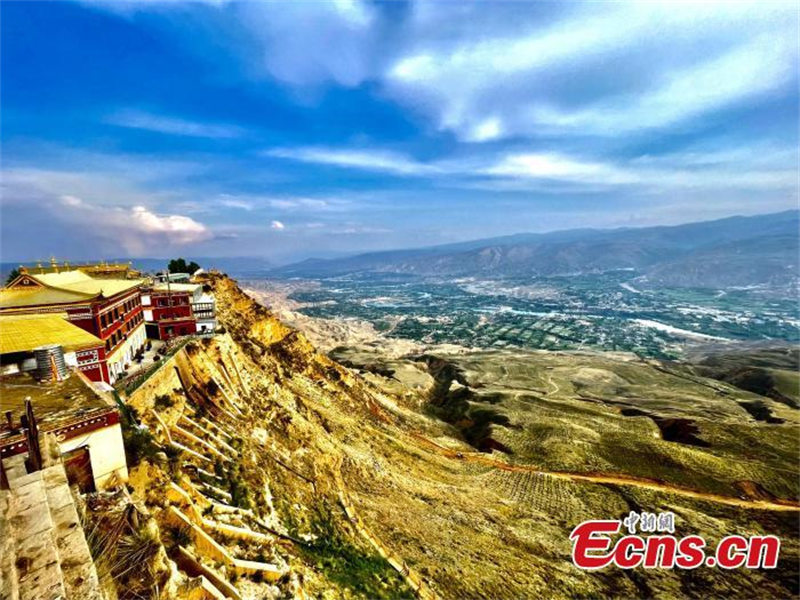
column 100, row 313
column 177, row 309
column 109, row 309
column 168, row 310
column 205, row 313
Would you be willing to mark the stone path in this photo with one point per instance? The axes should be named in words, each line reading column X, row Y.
column 46, row 556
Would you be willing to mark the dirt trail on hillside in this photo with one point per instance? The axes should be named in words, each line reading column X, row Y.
column 612, row 478
column 556, row 389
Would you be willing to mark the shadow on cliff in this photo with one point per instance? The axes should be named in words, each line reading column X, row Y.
column 471, row 413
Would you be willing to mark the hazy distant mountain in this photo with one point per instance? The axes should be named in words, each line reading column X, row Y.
column 766, row 259
column 727, row 252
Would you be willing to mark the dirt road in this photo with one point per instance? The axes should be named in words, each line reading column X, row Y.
column 612, row 478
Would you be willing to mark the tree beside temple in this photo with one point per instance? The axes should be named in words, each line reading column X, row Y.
column 179, row 265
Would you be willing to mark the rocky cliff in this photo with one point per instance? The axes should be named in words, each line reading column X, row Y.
column 251, row 436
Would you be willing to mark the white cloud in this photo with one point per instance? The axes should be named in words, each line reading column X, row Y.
column 138, row 229
column 301, row 203
column 356, row 229
column 175, row 229
column 229, row 201
column 308, row 43
column 228, row 204
column 490, row 83
column 254, row 202
column 69, row 200
column 135, row 119
column 489, row 129
column 277, row 225
column 354, row 12
column 77, row 188
column 558, row 167
column 746, row 71
column 492, row 73
column 760, row 167
column 37, row 194
column 300, row 43
column 756, row 156
column 367, row 160
column 131, row 7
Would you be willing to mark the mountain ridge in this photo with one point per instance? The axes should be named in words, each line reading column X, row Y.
column 644, row 250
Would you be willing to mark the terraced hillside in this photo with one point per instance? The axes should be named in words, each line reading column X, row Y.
column 278, row 472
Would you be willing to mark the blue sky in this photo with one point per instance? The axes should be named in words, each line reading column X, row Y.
column 321, row 128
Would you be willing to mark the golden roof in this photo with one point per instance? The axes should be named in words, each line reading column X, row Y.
column 99, row 269
column 24, row 333
column 64, row 278
column 78, row 281
column 67, row 287
column 39, row 296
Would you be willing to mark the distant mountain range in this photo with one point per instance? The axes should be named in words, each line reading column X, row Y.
column 736, row 251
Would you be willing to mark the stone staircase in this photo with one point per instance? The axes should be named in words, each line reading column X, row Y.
column 198, row 506
column 45, row 554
